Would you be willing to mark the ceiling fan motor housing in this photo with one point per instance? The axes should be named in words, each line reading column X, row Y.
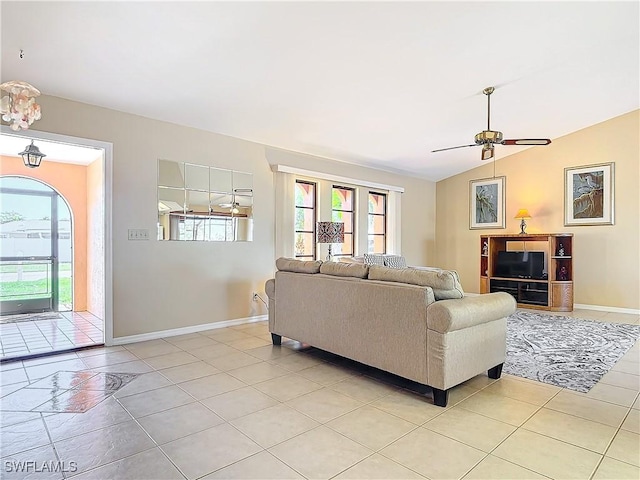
column 488, row 136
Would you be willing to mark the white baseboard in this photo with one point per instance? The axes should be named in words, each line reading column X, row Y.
column 603, row 308
column 142, row 337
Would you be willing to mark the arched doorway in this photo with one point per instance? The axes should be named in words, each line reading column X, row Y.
column 36, row 261
column 79, row 171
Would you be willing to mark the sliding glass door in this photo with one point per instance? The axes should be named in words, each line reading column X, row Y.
column 35, row 248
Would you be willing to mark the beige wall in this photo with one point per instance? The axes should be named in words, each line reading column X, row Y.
column 166, row 285
column 606, row 258
column 70, row 181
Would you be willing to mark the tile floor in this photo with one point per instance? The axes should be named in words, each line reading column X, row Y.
column 226, row 404
column 74, row 329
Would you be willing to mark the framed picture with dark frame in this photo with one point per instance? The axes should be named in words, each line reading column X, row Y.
column 487, row 203
column 589, row 195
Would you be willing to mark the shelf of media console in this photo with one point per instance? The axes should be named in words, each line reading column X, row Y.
column 520, row 289
column 519, row 279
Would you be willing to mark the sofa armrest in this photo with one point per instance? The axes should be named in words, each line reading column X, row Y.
column 449, row 315
column 270, row 289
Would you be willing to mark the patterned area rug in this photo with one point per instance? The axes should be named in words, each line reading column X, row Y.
column 567, row 352
column 29, row 317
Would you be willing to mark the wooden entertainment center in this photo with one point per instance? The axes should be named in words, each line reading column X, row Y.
column 554, row 291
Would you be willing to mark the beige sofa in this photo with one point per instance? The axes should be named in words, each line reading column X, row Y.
column 413, row 323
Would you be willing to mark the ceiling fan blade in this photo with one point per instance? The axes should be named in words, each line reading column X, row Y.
column 451, row 148
column 527, row 141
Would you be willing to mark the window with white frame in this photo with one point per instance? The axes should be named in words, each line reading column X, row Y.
column 305, row 220
column 343, row 211
column 377, row 223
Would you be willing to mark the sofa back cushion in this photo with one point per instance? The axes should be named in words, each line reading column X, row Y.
column 445, row 283
column 298, row 266
column 341, row 269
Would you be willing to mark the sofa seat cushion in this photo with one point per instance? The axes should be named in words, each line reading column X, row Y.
column 341, row 269
column 298, row 266
column 445, row 283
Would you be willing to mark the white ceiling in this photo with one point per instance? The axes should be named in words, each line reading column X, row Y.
column 374, row 83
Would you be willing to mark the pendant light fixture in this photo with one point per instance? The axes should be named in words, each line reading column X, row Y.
column 18, row 105
column 32, row 156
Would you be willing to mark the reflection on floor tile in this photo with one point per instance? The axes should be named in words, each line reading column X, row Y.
column 69, row 330
column 73, row 401
column 66, row 392
column 25, row 399
column 107, row 381
column 62, row 380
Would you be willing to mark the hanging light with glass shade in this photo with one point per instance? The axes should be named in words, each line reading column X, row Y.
column 32, row 156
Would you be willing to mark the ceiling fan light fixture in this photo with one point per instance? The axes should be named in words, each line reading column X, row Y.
column 488, row 136
column 487, row 152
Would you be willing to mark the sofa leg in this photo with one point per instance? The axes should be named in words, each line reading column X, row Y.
column 495, row 372
column 276, row 339
column 440, row 397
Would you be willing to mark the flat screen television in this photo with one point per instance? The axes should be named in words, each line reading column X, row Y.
column 520, row 265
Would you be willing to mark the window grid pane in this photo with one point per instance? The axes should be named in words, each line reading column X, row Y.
column 342, row 204
column 377, row 223
column 305, row 220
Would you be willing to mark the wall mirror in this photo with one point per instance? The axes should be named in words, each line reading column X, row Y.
column 201, row 203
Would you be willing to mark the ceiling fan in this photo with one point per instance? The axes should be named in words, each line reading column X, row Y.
column 488, row 138
column 235, row 206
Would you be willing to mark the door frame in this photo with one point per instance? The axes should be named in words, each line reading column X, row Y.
column 107, row 177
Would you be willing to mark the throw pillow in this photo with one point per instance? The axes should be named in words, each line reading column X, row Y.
column 395, row 261
column 370, row 259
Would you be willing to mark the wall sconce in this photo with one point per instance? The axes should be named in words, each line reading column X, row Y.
column 330, row 232
column 32, row 156
column 522, row 214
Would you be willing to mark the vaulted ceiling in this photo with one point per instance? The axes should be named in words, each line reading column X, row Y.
column 374, row 83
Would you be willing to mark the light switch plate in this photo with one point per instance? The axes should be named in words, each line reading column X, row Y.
column 138, row 234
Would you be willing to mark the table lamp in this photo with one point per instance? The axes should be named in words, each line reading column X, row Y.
column 522, row 214
column 330, row 232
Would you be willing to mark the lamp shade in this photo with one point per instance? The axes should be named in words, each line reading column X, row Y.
column 330, row 232
column 522, row 213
